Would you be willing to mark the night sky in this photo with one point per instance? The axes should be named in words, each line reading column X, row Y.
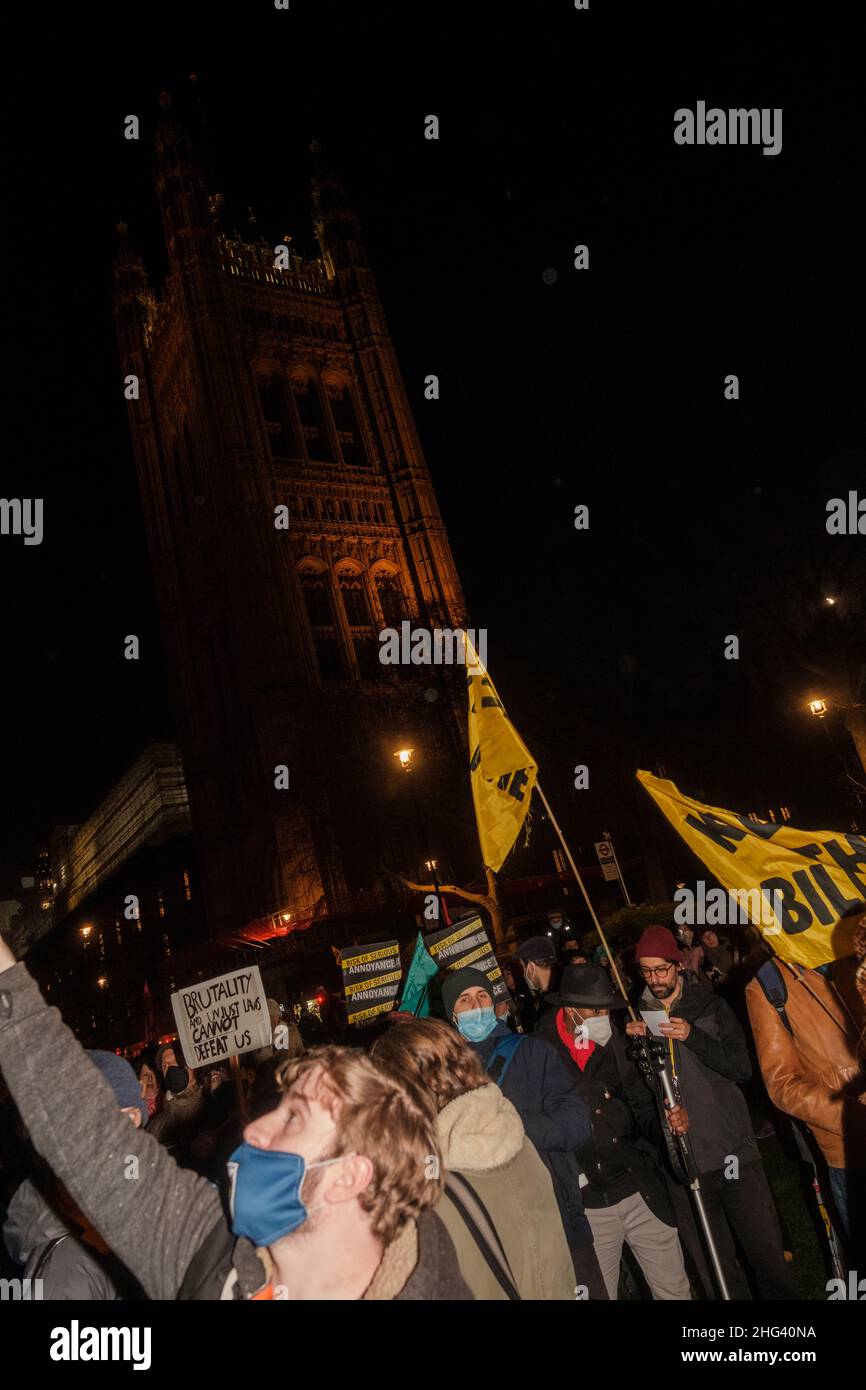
column 603, row 388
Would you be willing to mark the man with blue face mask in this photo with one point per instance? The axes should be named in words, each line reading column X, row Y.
column 624, row 1192
column 333, row 1190
column 555, row 1118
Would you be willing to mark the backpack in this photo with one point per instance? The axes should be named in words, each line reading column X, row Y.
column 502, row 1056
column 770, row 979
column 772, row 982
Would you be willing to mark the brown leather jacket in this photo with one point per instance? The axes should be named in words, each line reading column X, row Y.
column 806, row 1073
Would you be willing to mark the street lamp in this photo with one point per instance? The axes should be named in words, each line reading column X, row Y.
column 85, row 932
column 818, row 708
column 405, row 757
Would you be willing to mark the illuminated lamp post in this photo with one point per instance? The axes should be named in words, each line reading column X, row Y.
column 406, row 758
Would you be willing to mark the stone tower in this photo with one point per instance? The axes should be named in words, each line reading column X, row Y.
column 266, row 382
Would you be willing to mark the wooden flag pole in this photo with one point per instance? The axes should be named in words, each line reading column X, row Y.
column 239, row 1089
column 574, row 869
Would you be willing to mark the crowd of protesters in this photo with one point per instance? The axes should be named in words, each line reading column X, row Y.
column 513, row 1148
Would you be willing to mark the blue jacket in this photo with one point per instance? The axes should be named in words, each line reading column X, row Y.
column 555, row 1118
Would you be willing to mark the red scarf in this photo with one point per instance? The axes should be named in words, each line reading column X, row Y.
column 579, row 1053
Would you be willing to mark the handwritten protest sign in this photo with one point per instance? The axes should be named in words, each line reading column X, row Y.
column 223, row 1017
column 371, row 979
column 467, row 943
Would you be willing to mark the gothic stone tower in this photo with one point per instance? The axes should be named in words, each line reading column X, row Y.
column 261, row 388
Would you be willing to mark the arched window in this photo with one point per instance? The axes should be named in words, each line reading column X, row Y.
column 354, row 599
column 320, row 615
column 390, row 598
column 317, row 599
column 357, row 610
column 312, row 418
column 278, row 417
column 347, row 427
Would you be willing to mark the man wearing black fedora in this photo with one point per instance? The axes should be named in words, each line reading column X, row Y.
column 624, row 1195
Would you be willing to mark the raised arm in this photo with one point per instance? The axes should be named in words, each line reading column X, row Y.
column 152, row 1214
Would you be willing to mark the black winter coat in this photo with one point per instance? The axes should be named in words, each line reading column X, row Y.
column 622, row 1154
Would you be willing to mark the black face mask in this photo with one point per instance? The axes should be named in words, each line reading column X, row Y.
column 177, row 1079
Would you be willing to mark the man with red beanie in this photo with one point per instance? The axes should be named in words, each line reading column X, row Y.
column 709, row 1058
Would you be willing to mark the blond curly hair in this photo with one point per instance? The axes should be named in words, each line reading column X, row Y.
column 383, row 1117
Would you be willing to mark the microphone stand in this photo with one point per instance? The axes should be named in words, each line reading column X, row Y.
column 650, row 1056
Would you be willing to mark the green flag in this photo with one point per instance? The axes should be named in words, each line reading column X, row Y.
column 416, row 999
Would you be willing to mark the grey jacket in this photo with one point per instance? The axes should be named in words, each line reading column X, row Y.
column 37, row 1238
column 158, row 1218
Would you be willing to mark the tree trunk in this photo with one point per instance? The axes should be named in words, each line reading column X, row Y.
column 855, row 723
column 495, row 908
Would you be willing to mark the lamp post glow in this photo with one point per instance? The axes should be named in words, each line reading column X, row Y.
column 405, row 756
column 818, row 708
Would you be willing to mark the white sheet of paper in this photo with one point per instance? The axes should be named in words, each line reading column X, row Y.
column 652, row 1018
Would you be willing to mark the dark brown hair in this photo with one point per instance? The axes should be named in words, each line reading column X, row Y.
column 433, row 1056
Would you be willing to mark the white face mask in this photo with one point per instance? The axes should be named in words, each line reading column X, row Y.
column 597, row 1029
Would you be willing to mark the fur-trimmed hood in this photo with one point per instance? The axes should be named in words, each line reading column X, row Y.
column 479, row 1130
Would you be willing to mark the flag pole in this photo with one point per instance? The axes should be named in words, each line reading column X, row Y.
column 574, row 869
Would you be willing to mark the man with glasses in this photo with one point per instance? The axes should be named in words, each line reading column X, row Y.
column 709, row 1058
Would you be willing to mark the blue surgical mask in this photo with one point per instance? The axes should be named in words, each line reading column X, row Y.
column 266, row 1192
column 477, row 1024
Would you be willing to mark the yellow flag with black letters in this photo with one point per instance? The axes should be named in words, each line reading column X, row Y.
column 796, row 886
column 501, row 768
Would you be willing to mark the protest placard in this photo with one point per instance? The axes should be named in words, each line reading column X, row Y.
column 467, row 943
column 222, row 1017
column 371, row 979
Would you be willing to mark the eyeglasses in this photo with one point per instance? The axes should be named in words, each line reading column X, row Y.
column 656, row 970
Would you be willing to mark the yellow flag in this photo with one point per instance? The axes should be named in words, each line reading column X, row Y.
column 501, row 768
column 794, row 885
